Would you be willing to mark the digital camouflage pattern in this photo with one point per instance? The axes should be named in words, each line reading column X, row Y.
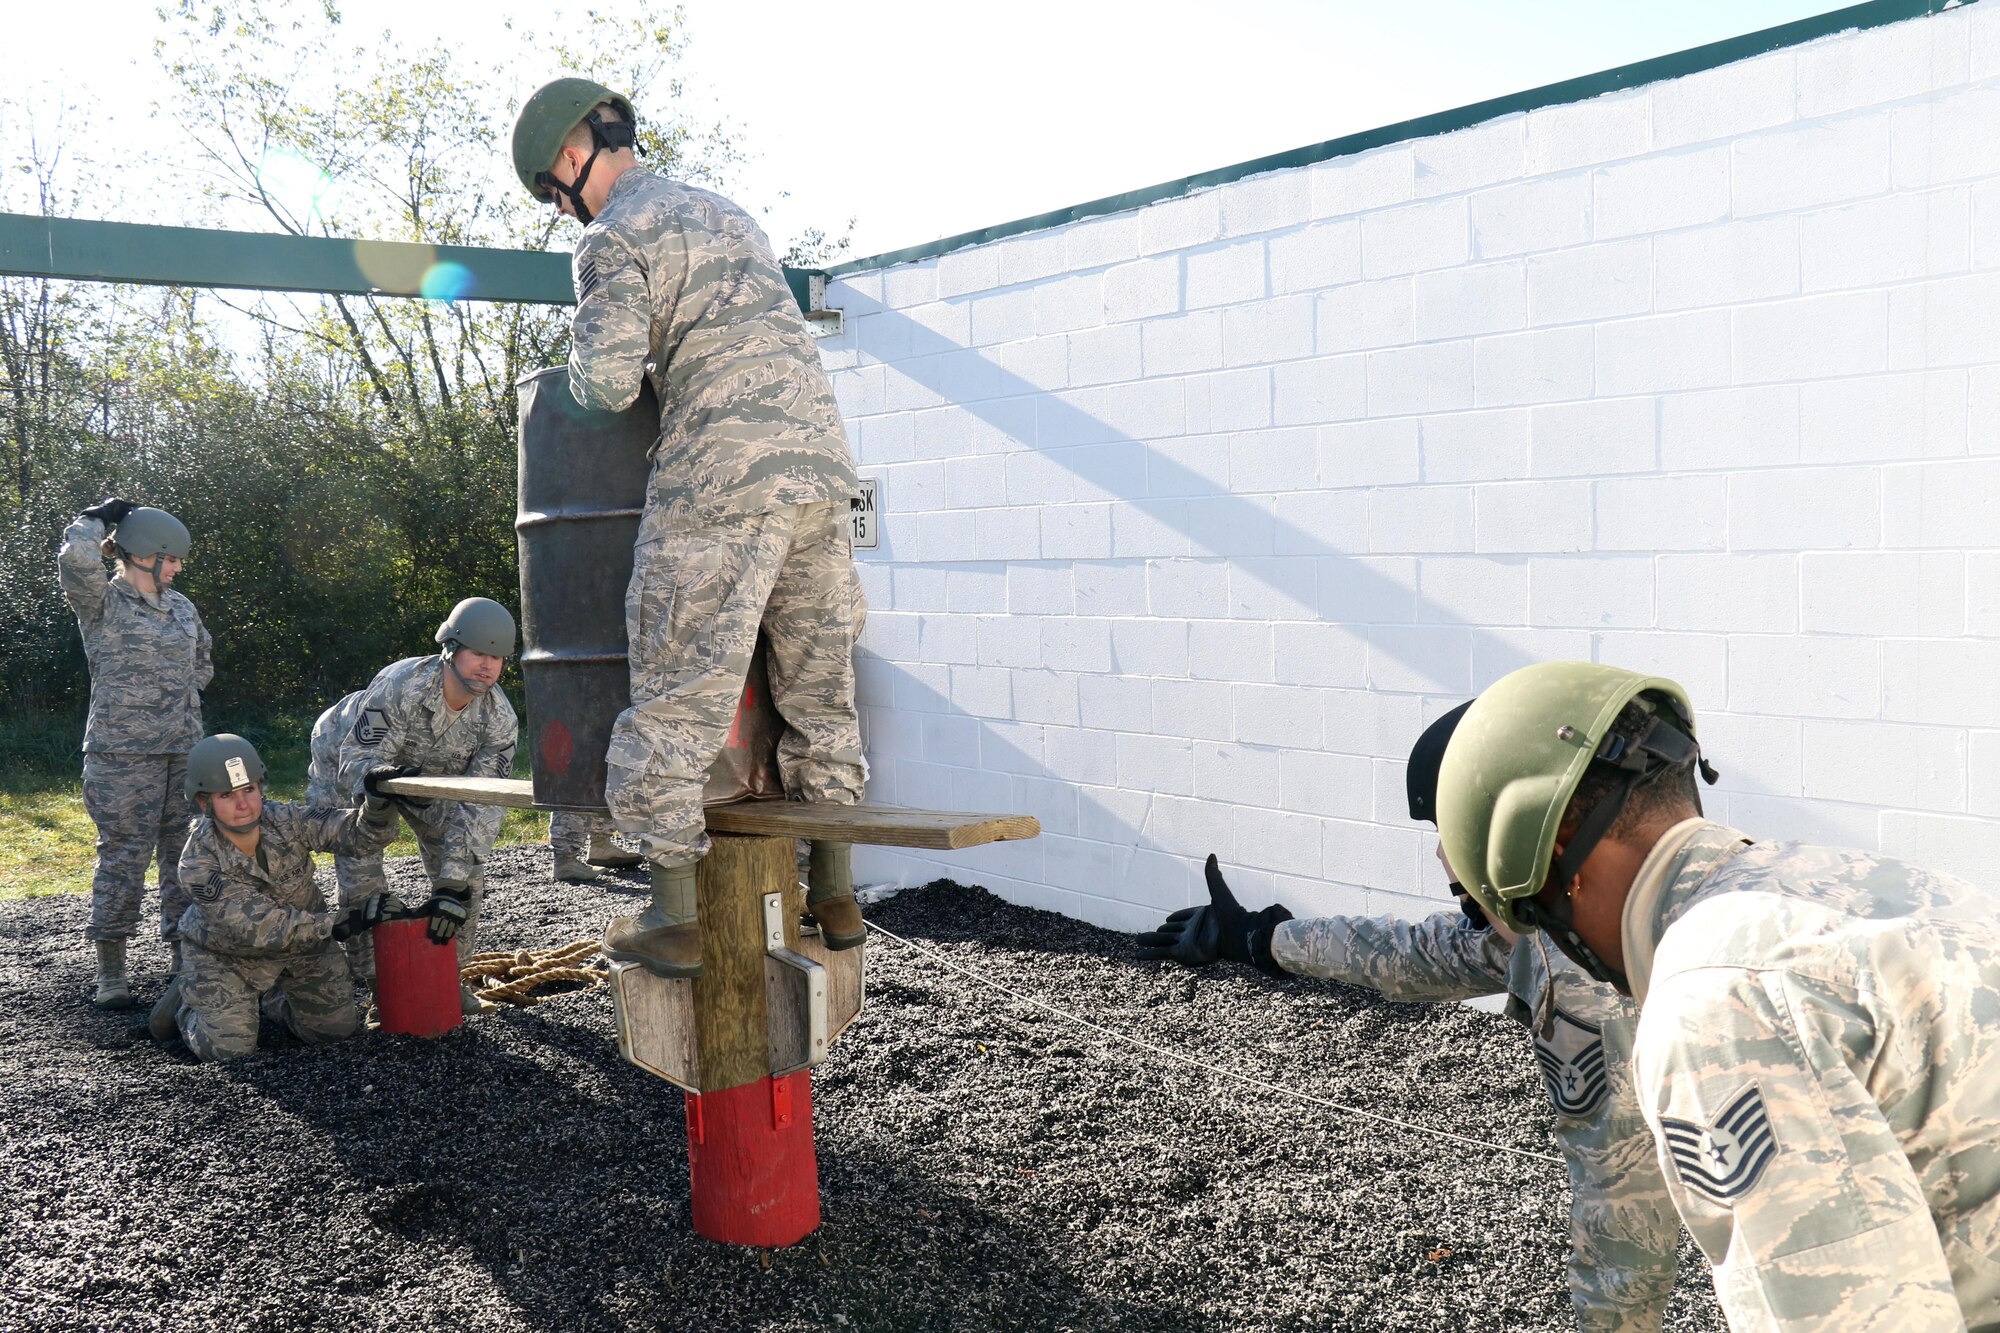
column 680, row 285
column 1623, row 1232
column 692, row 612
column 1819, row 1056
column 140, row 806
column 403, row 720
column 257, row 924
column 149, row 660
column 570, row 832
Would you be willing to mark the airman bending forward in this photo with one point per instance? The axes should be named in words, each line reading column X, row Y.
column 1818, row 1051
column 1623, row 1229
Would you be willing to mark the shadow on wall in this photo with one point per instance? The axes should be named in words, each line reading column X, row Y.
column 1111, row 854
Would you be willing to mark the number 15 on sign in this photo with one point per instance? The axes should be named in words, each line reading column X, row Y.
column 867, row 514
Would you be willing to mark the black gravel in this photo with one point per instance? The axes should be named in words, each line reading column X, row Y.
column 984, row 1164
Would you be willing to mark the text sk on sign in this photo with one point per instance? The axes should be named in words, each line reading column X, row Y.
column 867, row 515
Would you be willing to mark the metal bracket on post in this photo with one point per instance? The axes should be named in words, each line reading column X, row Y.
column 797, row 991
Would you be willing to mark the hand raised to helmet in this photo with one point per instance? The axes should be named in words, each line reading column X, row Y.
column 110, row 512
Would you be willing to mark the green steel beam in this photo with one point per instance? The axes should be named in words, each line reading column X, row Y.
column 1873, row 14
column 190, row 257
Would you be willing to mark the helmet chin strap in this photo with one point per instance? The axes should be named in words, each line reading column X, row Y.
column 1558, row 920
column 238, row 829
column 472, row 687
column 604, row 134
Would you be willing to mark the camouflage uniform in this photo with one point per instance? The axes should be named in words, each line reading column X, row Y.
column 1623, row 1232
column 402, row 719
column 570, row 832
column 149, row 662
column 1819, row 1056
column 746, row 511
column 257, row 929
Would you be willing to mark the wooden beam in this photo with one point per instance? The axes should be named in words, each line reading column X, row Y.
column 879, row 825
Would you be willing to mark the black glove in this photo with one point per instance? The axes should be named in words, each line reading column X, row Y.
column 364, row 915
column 1474, row 918
column 379, row 800
column 1198, row 936
column 447, row 909
column 110, row 512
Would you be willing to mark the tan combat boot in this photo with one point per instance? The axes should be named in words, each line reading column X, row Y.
column 112, row 990
column 164, row 1020
column 666, row 938
column 830, row 895
column 569, row 870
column 604, row 852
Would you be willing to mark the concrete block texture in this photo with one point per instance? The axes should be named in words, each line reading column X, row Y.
column 1194, row 514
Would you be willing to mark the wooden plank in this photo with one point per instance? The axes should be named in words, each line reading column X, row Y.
column 656, row 1027
column 880, row 825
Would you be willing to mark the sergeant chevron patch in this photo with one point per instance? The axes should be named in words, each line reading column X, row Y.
column 210, row 889
column 371, row 728
column 1572, row 1061
column 586, row 280
column 1722, row 1162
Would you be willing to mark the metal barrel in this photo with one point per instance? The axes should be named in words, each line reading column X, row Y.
column 582, row 483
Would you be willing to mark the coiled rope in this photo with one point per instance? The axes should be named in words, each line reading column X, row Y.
column 1408, row 1126
column 514, row 977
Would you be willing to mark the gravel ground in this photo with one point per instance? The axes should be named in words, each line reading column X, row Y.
column 984, row 1165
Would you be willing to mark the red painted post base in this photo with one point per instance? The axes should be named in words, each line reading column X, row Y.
column 416, row 982
column 754, row 1176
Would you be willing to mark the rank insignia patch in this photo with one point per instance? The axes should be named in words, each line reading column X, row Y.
column 586, row 280
column 1572, row 1061
column 211, row 888
column 1723, row 1161
column 371, row 728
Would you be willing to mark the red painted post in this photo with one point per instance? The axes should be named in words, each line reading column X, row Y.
column 416, row 981
column 751, row 1165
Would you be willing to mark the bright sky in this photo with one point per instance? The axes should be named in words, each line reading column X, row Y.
column 922, row 119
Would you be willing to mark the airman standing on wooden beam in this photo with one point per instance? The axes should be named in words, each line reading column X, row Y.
column 1818, row 1051
column 746, row 511
column 149, row 662
column 1623, row 1229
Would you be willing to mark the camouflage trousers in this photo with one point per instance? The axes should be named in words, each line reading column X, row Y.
column 222, row 996
column 359, row 876
column 692, row 611
column 570, row 832
column 139, row 806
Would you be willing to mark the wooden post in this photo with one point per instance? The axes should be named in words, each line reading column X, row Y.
column 754, row 1177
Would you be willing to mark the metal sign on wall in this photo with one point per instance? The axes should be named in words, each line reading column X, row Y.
column 867, row 513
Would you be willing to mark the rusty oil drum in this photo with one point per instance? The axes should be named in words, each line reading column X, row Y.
column 581, row 487
column 582, row 482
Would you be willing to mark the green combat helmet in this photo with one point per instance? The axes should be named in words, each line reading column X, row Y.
column 1515, row 762
column 481, row 624
column 145, row 534
column 546, row 119
column 221, row 764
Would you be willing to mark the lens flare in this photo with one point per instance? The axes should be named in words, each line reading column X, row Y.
column 446, row 281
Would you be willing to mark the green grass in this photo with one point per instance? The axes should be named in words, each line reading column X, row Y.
column 47, row 842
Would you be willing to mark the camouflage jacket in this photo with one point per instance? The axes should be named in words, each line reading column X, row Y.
column 1622, row 1226
column 330, row 729
column 1819, row 1056
column 149, row 661
column 677, row 285
column 267, row 905
column 403, row 719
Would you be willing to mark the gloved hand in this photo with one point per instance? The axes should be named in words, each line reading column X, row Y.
column 1474, row 918
column 378, row 800
column 110, row 512
column 448, row 909
column 364, row 915
column 1198, row 936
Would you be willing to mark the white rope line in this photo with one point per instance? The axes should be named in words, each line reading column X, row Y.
column 1179, row 1058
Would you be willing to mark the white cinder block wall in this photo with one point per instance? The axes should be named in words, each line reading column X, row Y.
column 1195, row 514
